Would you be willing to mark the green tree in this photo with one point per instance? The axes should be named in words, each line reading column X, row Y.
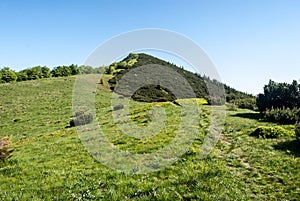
column 74, row 69
column 294, row 94
column 22, row 75
column 85, row 70
column 34, row 73
column 279, row 95
column 46, row 73
column 8, row 75
column 61, row 71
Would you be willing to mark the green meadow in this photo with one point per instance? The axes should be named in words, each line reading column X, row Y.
column 49, row 161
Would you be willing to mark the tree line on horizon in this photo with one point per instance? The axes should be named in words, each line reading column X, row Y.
column 7, row 75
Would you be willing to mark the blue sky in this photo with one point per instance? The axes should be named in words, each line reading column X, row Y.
column 250, row 41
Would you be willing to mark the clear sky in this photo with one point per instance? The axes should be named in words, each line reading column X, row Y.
column 250, row 41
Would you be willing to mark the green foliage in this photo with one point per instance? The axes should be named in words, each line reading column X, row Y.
column 233, row 94
column 7, row 75
column 297, row 130
column 74, row 69
column 232, row 107
column 271, row 132
column 99, row 70
column 279, row 95
column 46, row 72
column 61, row 71
column 22, row 75
column 245, row 103
column 121, row 65
column 34, row 73
column 110, row 69
column 240, row 99
column 282, row 116
column 86, row 70
column 215, row 100
column 5, row 150
column 280, row 102
column 153, row 93
column 38, row 72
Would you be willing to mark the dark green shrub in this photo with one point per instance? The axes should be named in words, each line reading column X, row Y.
column 297, row 130
column 74, row 69
column 5, row 150
column 46, row 72
column 118, row 107
column 81, row 118
column 151, row 93
column 283, row 116
column 279, row 95
column 22, row 75
column 271, row 132
column 61, row 71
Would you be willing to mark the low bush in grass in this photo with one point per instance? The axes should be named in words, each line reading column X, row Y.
column 81, row 118
column 245, row 103
column 215, row 100
column 297, row 130
column 5, row 150
column 271, row 132
column 283, row 116
column 231, row 107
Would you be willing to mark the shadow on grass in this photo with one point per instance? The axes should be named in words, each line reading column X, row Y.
column 249, row 115
column 289, row 146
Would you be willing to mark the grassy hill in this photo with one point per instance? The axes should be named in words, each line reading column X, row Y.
column 50, row 162
column 156, row 92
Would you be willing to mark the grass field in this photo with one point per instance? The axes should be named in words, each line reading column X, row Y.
column 51, row 163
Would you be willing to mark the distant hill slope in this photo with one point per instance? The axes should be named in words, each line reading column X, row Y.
column 156, row 92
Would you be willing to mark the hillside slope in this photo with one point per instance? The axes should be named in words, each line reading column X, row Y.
column 50, row 162
column 156, row 92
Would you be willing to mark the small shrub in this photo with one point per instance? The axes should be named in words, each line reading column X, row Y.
column 118, row 107
column 79, row 113
column 231, row 107
column 271, row 132
column 81, row 118
column 245, row 103
column 297, row 130
column 5, row 150
column 282, row 116
column 215, row 100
